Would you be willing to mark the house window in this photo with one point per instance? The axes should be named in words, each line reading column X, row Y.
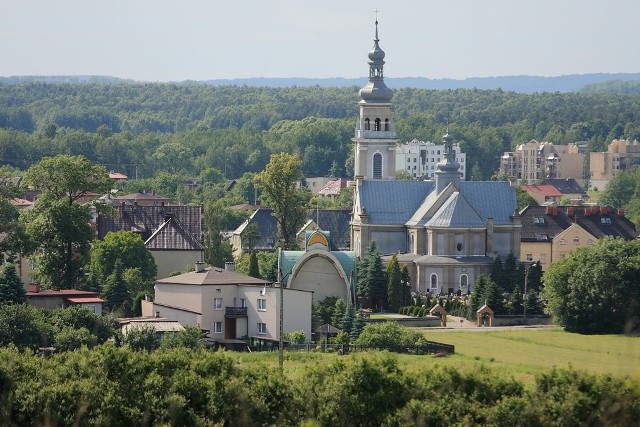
column 576, row 240
column 262, row 328
column 605, row 220
column 377, row 166
column 262, row 304
column 529, row 257
column 243, row 302
column 542, row 237
column 538, row 220
column 563, row 242
column 217, row 327
column 217, row 303
column 434, row 281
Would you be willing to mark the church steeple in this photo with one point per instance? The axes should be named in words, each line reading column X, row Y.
column 448, row 169
column 375, row 136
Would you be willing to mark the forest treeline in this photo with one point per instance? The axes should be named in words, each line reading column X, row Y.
column 144, row 129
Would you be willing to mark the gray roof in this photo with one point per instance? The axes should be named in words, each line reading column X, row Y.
column 392, row 202
column 395, row 202
column 456, row 212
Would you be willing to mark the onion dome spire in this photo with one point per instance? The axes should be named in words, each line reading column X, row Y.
column 376, row 90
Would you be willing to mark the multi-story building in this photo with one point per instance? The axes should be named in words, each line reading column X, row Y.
column 420, row 159
column 621, row 155
column 535, row 161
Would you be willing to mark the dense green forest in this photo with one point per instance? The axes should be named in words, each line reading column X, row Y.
column 184, row 129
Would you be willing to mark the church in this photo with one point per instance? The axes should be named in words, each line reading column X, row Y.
column 448, row 231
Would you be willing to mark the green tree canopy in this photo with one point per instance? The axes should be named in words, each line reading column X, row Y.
column 595, row 290
column 279, row 186
column 394, row 285
column 11, row 287
column 127, row 248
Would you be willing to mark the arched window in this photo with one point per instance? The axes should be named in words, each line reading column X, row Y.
column 377, row 124
column 434, row 281
column 367, row 124
column 386, row 124
column 464, row 283
column 377, row 166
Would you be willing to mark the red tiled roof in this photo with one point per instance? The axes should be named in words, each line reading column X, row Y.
column 117, row 175
column 543, row 189
column 67, row 293
column 84, row 300
column 20, row 203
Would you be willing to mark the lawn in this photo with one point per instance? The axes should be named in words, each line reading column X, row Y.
column 520, row 353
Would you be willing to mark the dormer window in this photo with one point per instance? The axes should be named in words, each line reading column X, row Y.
column 604, row 220
column 538, row 220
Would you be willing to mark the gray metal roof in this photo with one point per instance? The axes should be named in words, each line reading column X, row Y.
column 456, row 212
column 396, row 202
column 392, row 202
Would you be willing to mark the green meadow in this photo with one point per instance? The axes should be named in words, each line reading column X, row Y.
column 518, row 353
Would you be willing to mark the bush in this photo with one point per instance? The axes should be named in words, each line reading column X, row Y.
column 72, row 339
column 145, row 338
column 388, row 336
column 190, row 337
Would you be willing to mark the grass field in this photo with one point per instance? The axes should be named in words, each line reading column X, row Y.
column 520, row 353
column 525, row 352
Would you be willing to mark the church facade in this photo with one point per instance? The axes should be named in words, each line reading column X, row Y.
column 447, row 230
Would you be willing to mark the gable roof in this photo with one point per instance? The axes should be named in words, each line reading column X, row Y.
column 172, row 226
column 545, row 190
column 172, row 235
column 456, row 212
column 212, row 276
column 565, row 186
column 335, row 221
column 408, row 202
column 392, row 202
column 551, row 221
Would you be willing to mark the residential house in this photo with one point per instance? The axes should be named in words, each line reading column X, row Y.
column 332, row 188
column 231, row 305
column 446, row 230
column 336, row 221
column 551, row 232
column 63, row 298
column 142, row 199
column 542, row 193
column 173, row 233
column 568, row 187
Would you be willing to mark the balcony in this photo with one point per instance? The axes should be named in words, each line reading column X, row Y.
column 234, row 312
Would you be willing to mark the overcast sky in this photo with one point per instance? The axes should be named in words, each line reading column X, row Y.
column 175, row 40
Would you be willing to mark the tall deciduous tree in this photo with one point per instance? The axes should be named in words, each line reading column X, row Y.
column 279, row 186
column 217, row 249
column 127, row 248
column 595, row 289
column 67, row 178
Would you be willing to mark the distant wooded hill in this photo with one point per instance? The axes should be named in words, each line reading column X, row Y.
column 600, row 82
column 184, row 130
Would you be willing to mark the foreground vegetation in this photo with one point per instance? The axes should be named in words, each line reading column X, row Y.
column 117, row 386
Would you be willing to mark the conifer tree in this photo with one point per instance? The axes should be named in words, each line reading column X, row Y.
column 338, row 313
column 405, row 279
column 254, row 268
column 116, row 292
column 358, row 326
column 394, row 285
column 377, row 282
column 11, row 288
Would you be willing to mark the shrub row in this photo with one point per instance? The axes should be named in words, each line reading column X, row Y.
column 116, row 386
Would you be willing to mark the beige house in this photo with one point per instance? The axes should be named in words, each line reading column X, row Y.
column 231, row 305
column 549, row 233
column 535, row 161
column 51, row 299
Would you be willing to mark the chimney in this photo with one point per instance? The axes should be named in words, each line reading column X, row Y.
column 199, row 267
column 620, row 212
column 604, row 210
column 570, row 211
column 33, row 287
column 230, row 266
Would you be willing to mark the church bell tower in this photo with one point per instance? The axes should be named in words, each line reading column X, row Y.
column 375, row 135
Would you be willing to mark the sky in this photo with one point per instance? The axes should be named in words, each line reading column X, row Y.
column 176, row 40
